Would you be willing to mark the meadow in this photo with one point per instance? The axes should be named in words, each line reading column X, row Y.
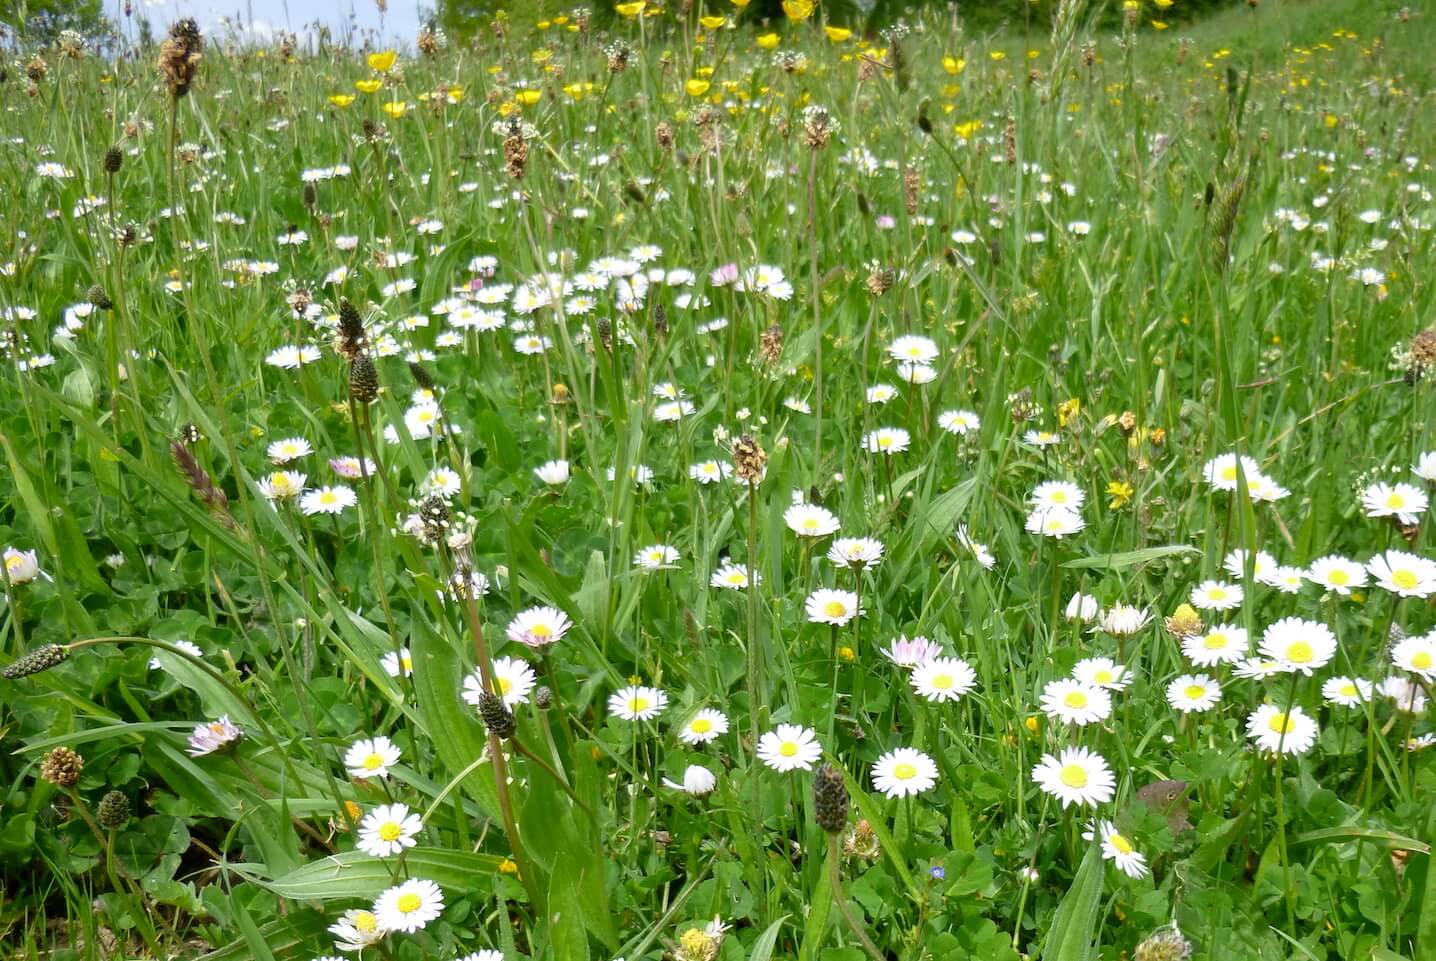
column 649, row 483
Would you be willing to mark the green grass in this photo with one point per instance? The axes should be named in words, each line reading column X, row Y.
column 1159, row 338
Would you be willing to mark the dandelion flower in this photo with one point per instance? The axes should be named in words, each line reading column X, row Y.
column 1075, row 776
column 904, row 772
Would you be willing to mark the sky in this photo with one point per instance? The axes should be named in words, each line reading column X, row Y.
column 261, row 19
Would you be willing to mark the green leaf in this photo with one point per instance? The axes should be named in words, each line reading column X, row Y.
column 1128, row 558
column 1075, row 923
column 567, row 936
column 1385, row 839
column 354, row 874
column 297, row 929
column 821, row 905
column 763, row 947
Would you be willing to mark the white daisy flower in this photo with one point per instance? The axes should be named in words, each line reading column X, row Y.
column 1338, row 574
column 1102, row 672
column 1059, row 495
column 398, row 662
column 1216, row 596
column 1075, row 776
column 1405, row 502
column 1417, row 655
column 388, row 830
column 371, row 757
column 733, row 577
column 828, row 606
column 637, row 703
column 409, row 906
column 514, row 680
column 704, row 726
column 1288, row 732
column 1193, row 693
column 943, row 679
column 1117, row 849
column 904, row 772
column 791, row 747
column 1074, row 702
column 1347, row 691
column 538, row 626
column 1222, row 644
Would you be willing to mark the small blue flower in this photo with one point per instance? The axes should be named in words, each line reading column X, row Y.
column 936, row 872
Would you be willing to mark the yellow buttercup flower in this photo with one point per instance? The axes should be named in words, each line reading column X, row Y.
column 396, row 108
column 712, row 23
column 1158, row 25
column 630, row 9
column 997, row 55
column 1120, row 493
column 368, row 86
column 341, row 99
column 837, row 34
column 798, row 10
column 768, row 41
column 1163, row 4
column 382, row 61
column 966, row 130
column 954, row 65
column 696, row 87
column 528, row 97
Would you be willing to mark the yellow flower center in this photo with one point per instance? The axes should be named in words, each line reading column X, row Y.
column 1395, row 501
column 810, row 524
column 1280, row 723
column 904, row 772
column 701, row 725
column 1075, row 699
column 366, row 922
column 1122, row 845
column 1229, row 473
column 1194, row 691
column 1103, row 676
column 638, row 704
column 373, row 762
column 1214, row 641
column 541, row 631
column 408, row 903
column 788, row 749
column 835, row 609
column 1073, row 775
column 504, row 685
column 885, row 441
column 1339, row 577
column 390, row 831
column 942, row 682
column 1217, row 594
column 1405, row 580
column 1299, row 653
column 1421, row 660
column 1347, row 690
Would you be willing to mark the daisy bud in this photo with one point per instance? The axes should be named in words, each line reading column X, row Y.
column 114, row 810
column 36, row 661
column 830, row 799
column 62, row 767
column 496, row 715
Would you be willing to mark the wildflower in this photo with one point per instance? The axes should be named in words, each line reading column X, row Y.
column 281, row 485
column 1263, row 565
column 371, row 757
column 703, row 727
column 555, row 473
column 904, row 772
column 1425, row 467
column 513, row 680
column 637, row 703
column 980, row 551
column 409, row 906
column 61, row 767
column 291, row 448
column 1223, row 644
column 1185, row 622
column 213, row 736
column 1120, row 493
column 356, row 930
column 710, row 471
column 887, row 440
column 1122, row 620
column 1216, row 596
column 860, row 553
column 943, row 679
column 1336, row 574
column 697, row 780
column 1193, row 693
column 958, row 422
column 1117, row 849
column 1057, row 495
column 1102, row 672
column 538, row 627
column 1346, row 691
column 1257, row 668
column 1075, row 776
column 910, row 652
column 1404, row 574
column 827, row 606
column 21, row 567
column 1417, row 655
column 733, row 577
column 1221, row 472
column 791, row 747
column 1288, row 732
column 1166, row 944
column 397, row 663
column 655, row 557
column 388, row 830
column 1074, row 702
column 1080, row 607
column 1055, row 522
column 327, row 500
column 1301, row 645
column 913, row 349
column 810, row 520
column 1405, row 502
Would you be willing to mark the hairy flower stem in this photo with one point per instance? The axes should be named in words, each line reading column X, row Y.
column 754, row 668
column 835, row 879
column 817, row 313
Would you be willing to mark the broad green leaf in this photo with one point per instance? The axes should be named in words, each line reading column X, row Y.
column 1128, row 558
column 763, row 947
column 1075, row 923
column 354, row 874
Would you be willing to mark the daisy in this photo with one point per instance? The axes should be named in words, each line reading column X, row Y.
column 1337, row 574
column 1080, row 607
column 917, row 374
column 1257, row 668
column 213, row 736
column 1040, row 438
column 1073, row 702
column 1262, row 566
column 514, row 679
column 637, row 703
column 356, row 930
column 958, row 422
column 1404, row 694
column 791, row 747
column 1221, row 472
column 291, row 448
column 538, row 626
column 371, row 757
column 1300, row 645
column 281, row 485
column 710, row 471
column 1193, row 693
column 697, row 780
column 443, row 481
column 400, row 662
column 1102, row 672
column 980, row 551
column 1405, row 502
column 352, row 468
column 1117, row 849
column 1216, row 596
column 910, row 652
column 881, row 394
column 856, row 552
column 810, row 520
column 1288, row 732
column 887, row 440
column 904, row 772
column 1346, row 691
column 1425, row 467
column 733, row 577
column 1055, row 522
column 1404, row 574
column 913, row 349
column 409, row 906
column 21, row 567
column 1288, row 580
column 189, row 647
column 553, row 473
column 1057, row 495
column 943, row 679
column 1075, row 776
column 1417, row 655
column 827, row 606
column 1223, row 644
column 652, row 558
column 1123, row 620
column 327, row 500
column 704, row 726
column 1262, row 489
column 388, row 830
